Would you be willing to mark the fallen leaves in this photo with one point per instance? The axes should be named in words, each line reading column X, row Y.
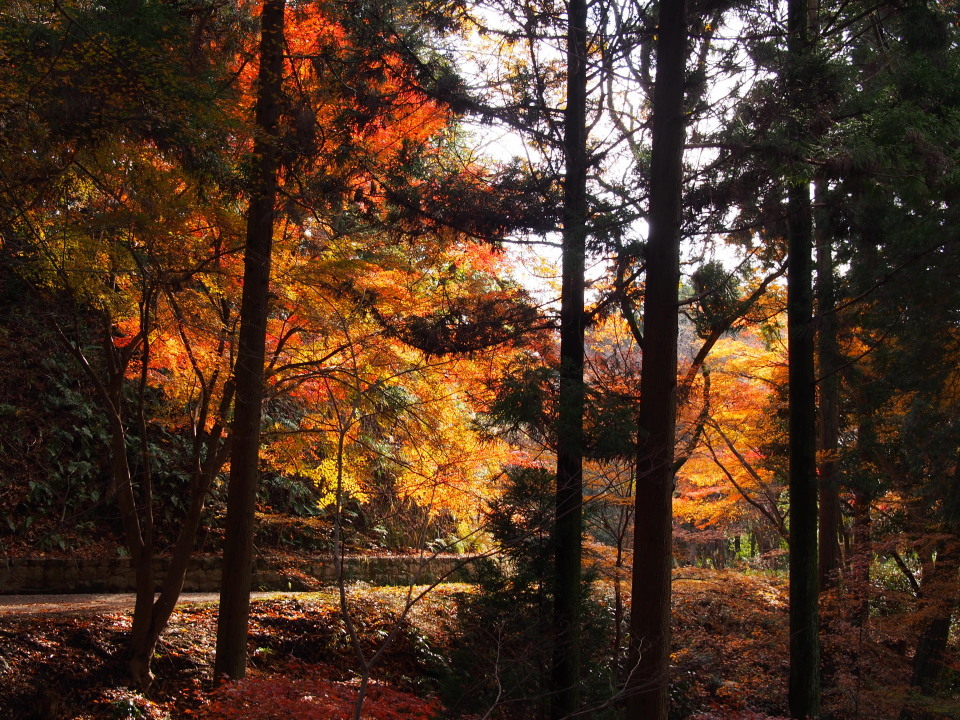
column 280, row 697
column 729, row 659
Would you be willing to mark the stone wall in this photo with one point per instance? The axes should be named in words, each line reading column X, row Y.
column 76, row 575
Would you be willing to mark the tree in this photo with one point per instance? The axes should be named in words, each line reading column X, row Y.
column 647, row 683
column 376, row 175
column 739, row 440
column 904, row 375
column 804, row 621
column 248, row 372
column 570, row 402
column 527, row 85
column 825, row 138
column 133, row 218
column 110, row 217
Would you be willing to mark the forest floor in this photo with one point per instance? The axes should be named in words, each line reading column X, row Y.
column 730, row 658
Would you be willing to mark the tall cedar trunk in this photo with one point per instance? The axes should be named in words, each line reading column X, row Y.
column 804, row 691
column 828, row 352
column 565, row 677
column 231, row 659
column 647, row 684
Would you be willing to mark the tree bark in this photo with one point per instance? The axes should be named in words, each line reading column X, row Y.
column 647, row 683
column 231, row 657
column 565, row 675
column 941, row 593
column 804, row 620
column 940, row 597
column 804, row 685
column 137, row 538
column 155, row 614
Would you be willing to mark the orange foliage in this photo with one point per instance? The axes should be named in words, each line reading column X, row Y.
column 156, row 252
column 729, row 465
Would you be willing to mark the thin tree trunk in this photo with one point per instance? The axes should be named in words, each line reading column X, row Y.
column 156, row 614
column 140, row 648
column 137, row 535
column 940, row 593
column 141, row 642
column 862, row 556
column 565, row 675
column 647, row 683
column 804, row 686
column 231, row 658
column 930, row 661
column 828, row 352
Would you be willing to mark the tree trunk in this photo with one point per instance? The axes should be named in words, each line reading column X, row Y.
column 138, row 544
column 828, row 351
column 565, row 676
column 804, row 688
column 138, row 534
column 929, row 661
column 150, row 617
column 231, row 657
column 647, row 683
column 940, row 596
column 804, row 643
column 141, row 647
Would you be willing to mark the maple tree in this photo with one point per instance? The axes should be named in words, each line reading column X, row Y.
column 407, row 115
column 165, row 288
column 89, row 229
column 729, row 485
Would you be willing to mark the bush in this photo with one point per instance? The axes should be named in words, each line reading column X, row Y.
column 502, row 655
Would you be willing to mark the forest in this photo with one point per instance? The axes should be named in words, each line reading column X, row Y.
column 643, row 316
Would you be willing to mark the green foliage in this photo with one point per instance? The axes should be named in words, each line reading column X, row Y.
column 718, row 292
column 524, row 407
column 128, row 709
column 66, row 474
column 524, row 400
column 71, row 483
column 292, row 533
column 610, row 425
column 289, row 495
column 503, row 651
column 892, row 594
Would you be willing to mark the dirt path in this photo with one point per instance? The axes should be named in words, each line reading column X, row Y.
column 49, row 605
